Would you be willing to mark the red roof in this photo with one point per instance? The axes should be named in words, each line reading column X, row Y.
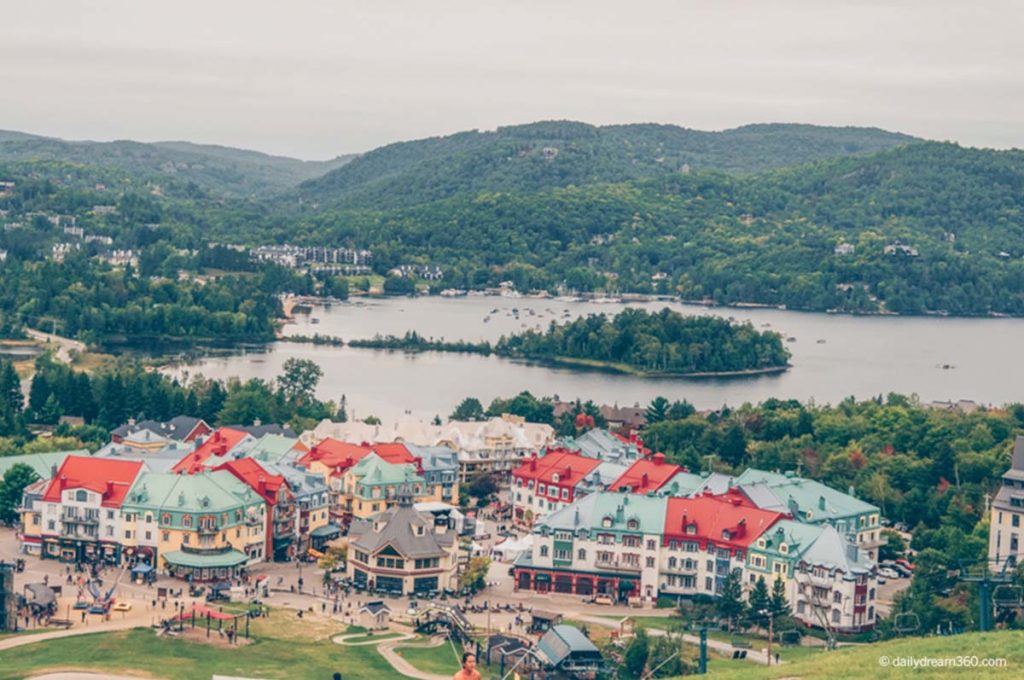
column 340, row 456
column 646, row 474
column 568, row 465
column 109, row 477
column 724, row 520
column 633, row 438
column 217, row 444
column 252, row 473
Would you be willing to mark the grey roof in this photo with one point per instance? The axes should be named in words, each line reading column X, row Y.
column 398, row 527
column 301, row 482
column 261, row 430
column 832, row 551
column 175, row 428
column 562, row 641
column 1016, row 470
column 602, row 445
column 716, row 483
column 153, row 461
column 435, row 458
column 763, row 497
column 375, row 606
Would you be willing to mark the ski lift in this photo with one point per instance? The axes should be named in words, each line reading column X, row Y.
column 1008, row 596
column 906, row 622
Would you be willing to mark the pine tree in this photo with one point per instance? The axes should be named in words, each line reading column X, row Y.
column 760, row 602
column 780, row 605
column 730, row 602
column 38, row 393
column 10, row 387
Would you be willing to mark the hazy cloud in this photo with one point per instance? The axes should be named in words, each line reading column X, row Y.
column 315, row 79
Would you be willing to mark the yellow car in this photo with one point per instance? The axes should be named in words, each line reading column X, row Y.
column 122, row 607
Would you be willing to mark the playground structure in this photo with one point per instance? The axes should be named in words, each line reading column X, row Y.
column 101, row 602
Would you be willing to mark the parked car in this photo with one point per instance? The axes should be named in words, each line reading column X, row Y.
column 881, row 581
column 888, row 573
column 904, row 563
column 603, row 599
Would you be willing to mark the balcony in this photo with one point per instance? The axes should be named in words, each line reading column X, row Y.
column 207, row 529
column 616, row 565
column 683, row 568
column 87, row 520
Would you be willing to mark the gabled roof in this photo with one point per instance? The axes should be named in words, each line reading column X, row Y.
column 563, row 641
column 725, row 520
column 683, row 483
column 646, row 475
column 796, row 536
column 258, row 431
column 177, row 428
column 259, row 480
column 216, row 446
column 569, row 467
column 273, row 448
column 604, row 445
column 834, row 552
column 410, row 532
column 110, row 478
column 161, row 460
column 335, row 454
column 434, row 458
column 374, row 470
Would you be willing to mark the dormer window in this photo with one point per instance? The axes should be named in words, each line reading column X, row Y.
column 554, row 478
column 726, row 534
column 783, row 548
column 633, row 524
column 81, row 496
column 691, row 529
column 606, row 522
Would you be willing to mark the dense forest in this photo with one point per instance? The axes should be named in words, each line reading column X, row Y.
column 664, row 342
column 864, row 222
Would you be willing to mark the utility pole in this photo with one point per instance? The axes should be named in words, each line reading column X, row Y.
column 771, row 632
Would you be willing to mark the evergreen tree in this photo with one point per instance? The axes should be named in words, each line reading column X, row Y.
column 734, row 445
column 657, row 410
column 779, row 605
column 730, row 602
column 468, row 409
column 10, row 387
column 760, row 602
column 38, row 393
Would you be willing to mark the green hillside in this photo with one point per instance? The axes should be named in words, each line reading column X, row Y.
column 862, row 662
column 553, row 154
column 217, row 169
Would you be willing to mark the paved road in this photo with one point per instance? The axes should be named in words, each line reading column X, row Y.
column 64, row 345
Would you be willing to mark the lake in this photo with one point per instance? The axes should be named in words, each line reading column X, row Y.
column 834, row 356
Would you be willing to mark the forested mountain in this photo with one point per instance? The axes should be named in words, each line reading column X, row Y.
column 218, row 169
column 923, row 227
column 553, row 154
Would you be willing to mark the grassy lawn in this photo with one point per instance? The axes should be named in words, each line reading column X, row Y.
column 440, row 660
column 283, row 644
column 861, row 662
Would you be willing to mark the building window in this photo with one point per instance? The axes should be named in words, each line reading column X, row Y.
column 650, row 562
column 581, row 554
column 81, row 496
column 541, row 488
column 110, row 514
column 835, row 616
column 166, row 536
column 1015, row 520
column 651, row 544
column 837, row 597
column 543, row 551
column 565, row 494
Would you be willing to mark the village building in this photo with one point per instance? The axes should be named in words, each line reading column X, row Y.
column 543, row 485
column 81, row 517
column 1007, row 515
column 281, row 510
column 181, row 428
column 647, row 475
column 403, row 551
column 203, row 526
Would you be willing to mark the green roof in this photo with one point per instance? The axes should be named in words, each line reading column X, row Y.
column 822, row 502
column 206, row 491
column 797, row 536
column 231, row 558
column 373, row 470
column 41, row 463
column 589, row 513
column 271, row 448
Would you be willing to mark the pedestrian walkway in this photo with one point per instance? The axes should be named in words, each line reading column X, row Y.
column 104, row 627
column 387, row 650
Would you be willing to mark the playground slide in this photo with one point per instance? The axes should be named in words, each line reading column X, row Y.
column 94, row 590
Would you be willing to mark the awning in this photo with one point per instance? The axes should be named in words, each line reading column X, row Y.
column 180, row 558
column 326, row 531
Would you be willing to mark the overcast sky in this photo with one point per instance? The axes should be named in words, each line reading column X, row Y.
column 316, row 79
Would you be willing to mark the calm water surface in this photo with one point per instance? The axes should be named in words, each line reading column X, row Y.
column 833, row 357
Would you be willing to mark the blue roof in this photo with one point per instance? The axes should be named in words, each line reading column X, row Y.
column 561, row 641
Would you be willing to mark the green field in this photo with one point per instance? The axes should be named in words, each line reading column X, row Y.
column 861, row 662
column 440, row 660
column 283, row 647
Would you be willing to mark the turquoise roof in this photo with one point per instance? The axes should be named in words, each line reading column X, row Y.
column 591, row 511
column 683, row 484
column 272, row 448
column 216, row 491
column 41, row 463
column 816, row 501
column 196, row 560
column 374, row 470
column 797, row 537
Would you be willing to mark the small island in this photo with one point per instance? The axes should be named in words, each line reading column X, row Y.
column 636, row 342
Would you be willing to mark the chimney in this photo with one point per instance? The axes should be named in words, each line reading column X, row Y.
column 821, row 502
column 620, row 514
column 644, row 479
column 850, row 490
column 685, row 522
column 110, row 488
column 659, row 458
column 53, row 471
column 261, row 484
column 131, row 422
column 741, row 529
column 256, row 422
column 533, row 462
column 794, row 507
